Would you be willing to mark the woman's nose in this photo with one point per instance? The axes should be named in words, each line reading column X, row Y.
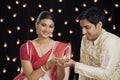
column 47, row 28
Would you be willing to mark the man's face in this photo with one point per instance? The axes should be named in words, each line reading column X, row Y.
column 90, row 30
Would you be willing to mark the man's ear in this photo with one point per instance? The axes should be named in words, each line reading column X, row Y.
column 99, row 24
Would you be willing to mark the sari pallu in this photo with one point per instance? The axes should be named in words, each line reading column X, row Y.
column 60, row 49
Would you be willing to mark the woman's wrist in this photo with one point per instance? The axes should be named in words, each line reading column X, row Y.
column 47, row 67
column 43, row 69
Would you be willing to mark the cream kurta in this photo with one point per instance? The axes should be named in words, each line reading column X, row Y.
column 101, row 58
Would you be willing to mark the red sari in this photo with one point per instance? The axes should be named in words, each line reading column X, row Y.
column 28, row 52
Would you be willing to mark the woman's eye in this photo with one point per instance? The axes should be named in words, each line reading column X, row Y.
column 51, row 26
column 43, row 25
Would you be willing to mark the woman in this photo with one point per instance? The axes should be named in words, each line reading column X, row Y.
column 38, row 56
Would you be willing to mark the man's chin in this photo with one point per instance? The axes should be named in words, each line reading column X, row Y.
column 90, row 39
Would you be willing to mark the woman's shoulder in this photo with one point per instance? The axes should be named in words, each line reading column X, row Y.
column 60, row 43
column 27, row 42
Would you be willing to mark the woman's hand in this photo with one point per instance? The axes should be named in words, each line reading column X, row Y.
column 51, row 63
column 66, row 62
column 61, row 61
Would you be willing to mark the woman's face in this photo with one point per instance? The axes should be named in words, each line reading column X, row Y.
column 45, row 28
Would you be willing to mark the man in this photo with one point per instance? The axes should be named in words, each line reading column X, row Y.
column 100, row 50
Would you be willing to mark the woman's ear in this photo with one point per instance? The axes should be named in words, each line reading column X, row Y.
column 36, row 25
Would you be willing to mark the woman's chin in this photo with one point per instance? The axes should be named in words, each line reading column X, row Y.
column 46, row 36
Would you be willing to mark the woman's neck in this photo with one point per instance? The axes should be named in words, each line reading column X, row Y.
column 43, row 40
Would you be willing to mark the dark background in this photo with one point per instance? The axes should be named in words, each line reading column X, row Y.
column 9, row 55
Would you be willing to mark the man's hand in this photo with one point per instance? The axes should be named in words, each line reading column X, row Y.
column 66, row 62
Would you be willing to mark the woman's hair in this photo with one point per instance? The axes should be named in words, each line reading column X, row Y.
column 45, row 15
column 93, row 15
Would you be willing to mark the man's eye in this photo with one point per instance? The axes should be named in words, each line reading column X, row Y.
column 87, row 27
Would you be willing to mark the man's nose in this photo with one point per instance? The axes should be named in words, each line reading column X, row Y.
column 83, row 31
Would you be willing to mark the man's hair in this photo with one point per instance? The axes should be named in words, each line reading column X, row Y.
column 93, row 15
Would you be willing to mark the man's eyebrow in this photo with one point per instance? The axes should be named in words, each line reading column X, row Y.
column 85, row 26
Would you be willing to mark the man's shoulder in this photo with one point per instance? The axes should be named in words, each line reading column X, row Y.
column 110, row 38
column 109, row 35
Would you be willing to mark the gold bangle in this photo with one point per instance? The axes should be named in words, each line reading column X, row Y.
column 43, row 69
column 46, row 67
